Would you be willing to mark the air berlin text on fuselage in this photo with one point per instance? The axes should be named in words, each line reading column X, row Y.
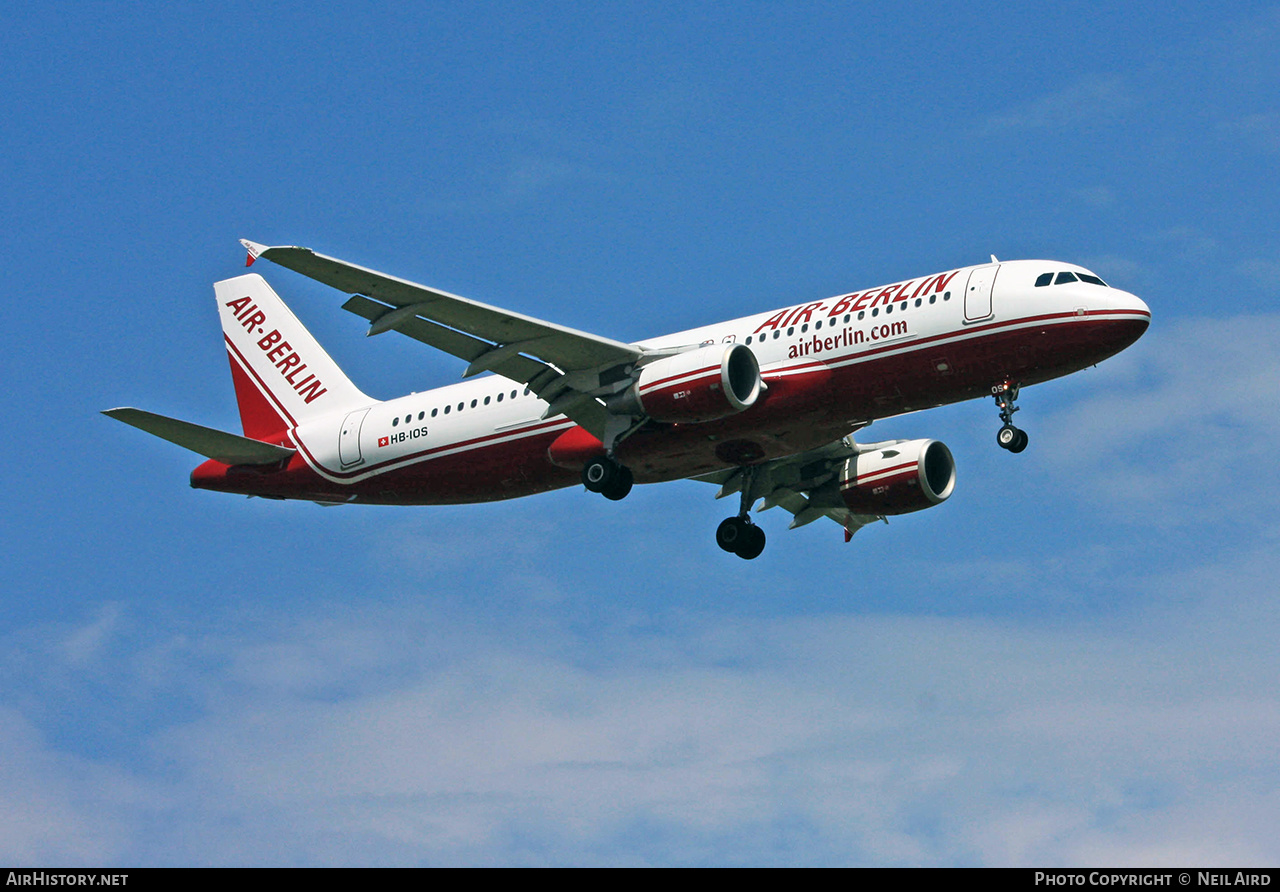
column 278, row 351
column 852, row 303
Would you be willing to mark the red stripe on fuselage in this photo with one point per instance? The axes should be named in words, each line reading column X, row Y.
column 556, row 425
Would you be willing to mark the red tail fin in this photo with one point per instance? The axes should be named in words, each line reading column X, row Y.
column 282, row 376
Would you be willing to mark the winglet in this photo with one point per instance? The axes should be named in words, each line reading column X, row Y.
column 254, row 250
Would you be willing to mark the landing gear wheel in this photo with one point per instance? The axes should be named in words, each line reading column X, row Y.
column 605, row 476
column 752, row 544
column 597, row 473
column 1012, row 438
column 739, row 536
column 621, row 485
column 730, row 533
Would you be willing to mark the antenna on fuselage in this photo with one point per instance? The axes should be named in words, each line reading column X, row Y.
column 993, row 259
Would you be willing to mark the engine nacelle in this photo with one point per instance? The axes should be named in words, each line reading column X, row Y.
column 898, row 478
column 698, row 385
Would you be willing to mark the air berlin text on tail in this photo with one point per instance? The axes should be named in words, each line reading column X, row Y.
column 278, row 351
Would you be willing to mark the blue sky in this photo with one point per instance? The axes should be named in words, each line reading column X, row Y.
column 1072, row 661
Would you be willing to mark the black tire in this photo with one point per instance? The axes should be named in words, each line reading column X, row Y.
column 1021, row 443
column 1007, row 437
column 620, row 486
column 599, row 474
column 752, row 543
column 731, row 533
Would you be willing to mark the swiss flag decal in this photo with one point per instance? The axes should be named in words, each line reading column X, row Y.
column 383, row 441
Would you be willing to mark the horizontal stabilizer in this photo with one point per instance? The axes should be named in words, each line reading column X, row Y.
column 230, row 449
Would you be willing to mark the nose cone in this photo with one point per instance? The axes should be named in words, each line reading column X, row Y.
column 1127, row 318
column 1134, row 304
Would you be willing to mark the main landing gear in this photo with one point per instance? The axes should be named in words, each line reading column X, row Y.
column 605, row 476
column 1006, row 397
column 738, row 535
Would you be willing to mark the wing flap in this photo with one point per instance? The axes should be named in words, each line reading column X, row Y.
column 230, row 449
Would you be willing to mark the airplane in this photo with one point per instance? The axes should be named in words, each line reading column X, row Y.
column 764, row 406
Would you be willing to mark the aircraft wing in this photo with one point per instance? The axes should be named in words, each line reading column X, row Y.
column 563, row 366
column 805, row 485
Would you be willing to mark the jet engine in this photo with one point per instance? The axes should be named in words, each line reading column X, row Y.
column 898, row 478
column 698, row 385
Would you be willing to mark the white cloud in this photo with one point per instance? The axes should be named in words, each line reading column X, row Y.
column 830, row 739
column 86, row 643
column 1183, row 431
column 57, row 809
column 1088, row 101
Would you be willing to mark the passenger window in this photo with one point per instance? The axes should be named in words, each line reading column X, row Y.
column 460, row 406
column 1044, row 279
column 804, row 327
column 500, row 397
column 1064, row 278
column 446, row 409
column 933, row 298
column 862, row 314
column 875, row 312
column 791, row 331
column 433, row 412
column 395, row 422
column 817, row 325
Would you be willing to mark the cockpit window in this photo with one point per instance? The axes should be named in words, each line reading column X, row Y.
column 1043, row 280
column 1064, row 278
column 1092, row 280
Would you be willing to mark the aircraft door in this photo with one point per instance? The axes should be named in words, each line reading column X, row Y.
column 349, row 438
column 977, row 295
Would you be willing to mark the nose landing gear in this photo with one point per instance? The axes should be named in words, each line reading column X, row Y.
column 1006, row 397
